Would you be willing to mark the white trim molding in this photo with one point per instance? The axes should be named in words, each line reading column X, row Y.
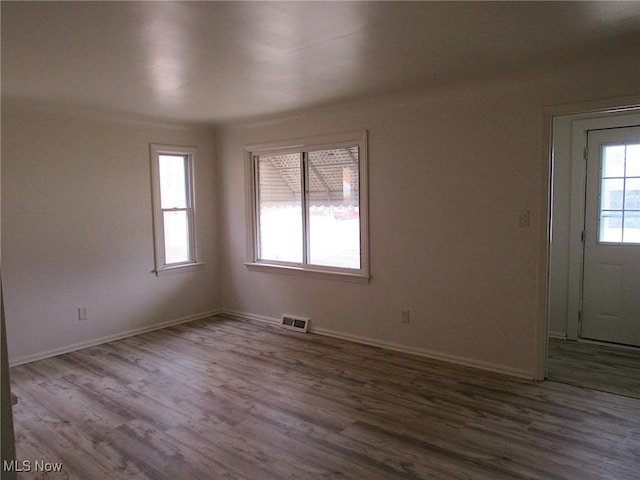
column 307, row 272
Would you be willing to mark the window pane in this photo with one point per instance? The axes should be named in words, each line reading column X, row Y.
column 611, row 226
column 613, row 161
column 173, row 181
column 631, row 226
column 334, row 209
column 620, row 197
column 633, row 160
column 176, row 237
column 612, row 194
column 280, row 208
column 632, row 194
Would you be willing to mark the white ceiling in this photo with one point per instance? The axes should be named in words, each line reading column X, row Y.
column 220, row 61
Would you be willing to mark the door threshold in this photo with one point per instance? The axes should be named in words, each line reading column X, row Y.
column 603, row 343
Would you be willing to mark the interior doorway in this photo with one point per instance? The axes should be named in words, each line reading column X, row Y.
column 579, row 213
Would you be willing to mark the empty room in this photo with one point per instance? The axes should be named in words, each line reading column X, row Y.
column 298, row 240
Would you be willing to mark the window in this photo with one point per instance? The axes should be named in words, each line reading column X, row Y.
column 173, row 208
column 309, row 206
column 620, row 194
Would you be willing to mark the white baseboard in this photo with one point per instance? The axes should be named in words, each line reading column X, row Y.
column 560, row 335
column 276, row 321
column 468, row 362
column 250, row 316
column 108, row 338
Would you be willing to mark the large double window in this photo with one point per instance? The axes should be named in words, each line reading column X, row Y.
column 309, row 205
column 173, row 208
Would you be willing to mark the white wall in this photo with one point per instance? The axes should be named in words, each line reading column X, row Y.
column 77, row 228
column 449, row 170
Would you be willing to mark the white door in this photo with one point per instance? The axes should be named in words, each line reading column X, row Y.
column 611, row 283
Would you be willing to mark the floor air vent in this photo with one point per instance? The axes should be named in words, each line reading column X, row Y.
column 295, row 323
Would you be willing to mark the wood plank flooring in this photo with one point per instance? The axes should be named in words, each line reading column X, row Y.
column 599, row 367
column 229, row 399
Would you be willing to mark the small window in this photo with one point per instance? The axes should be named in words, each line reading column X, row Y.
column 620, row 194
column 309, row 206
column 173, row 208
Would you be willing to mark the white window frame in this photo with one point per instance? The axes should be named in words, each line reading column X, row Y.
column 622, row 210
column 339, row 140
column 161, row 266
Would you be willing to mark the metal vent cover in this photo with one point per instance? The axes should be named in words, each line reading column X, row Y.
column 295, row 323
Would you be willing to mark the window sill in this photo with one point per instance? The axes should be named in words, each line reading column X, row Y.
column 308, row 272
column 189, row 267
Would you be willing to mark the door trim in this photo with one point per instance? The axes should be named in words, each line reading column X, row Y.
column 584, row 110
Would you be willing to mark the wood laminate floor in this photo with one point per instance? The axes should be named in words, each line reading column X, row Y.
column 230, row 399
column 607, row 368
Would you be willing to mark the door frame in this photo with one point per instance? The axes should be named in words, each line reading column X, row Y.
column 583, row 116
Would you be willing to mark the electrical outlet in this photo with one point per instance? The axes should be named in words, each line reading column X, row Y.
column 523, row 218
column 82, row 314
column 404, row 315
